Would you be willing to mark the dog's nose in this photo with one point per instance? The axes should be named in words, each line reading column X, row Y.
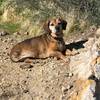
column 57, row 28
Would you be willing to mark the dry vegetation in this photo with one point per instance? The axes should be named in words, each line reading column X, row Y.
column 80, row 14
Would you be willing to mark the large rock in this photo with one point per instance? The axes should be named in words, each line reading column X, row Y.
column 85, row 90
column 86, row 66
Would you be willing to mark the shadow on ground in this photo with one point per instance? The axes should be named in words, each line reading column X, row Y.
column 76, row 45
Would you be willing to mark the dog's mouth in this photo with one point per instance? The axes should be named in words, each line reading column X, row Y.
column 57, row 35
column 55, row 29
column 58, row 29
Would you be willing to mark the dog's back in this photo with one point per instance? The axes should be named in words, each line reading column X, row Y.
column 32, row 48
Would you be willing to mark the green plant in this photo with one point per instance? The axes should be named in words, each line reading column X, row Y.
column 10, row 27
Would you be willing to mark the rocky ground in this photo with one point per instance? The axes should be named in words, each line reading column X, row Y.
column 49, row 79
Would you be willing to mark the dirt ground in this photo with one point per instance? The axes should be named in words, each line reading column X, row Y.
column 48, row 79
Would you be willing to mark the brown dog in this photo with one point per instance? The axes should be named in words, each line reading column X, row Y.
column 50, row 44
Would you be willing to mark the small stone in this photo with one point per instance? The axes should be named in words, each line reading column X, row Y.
column 7, row 48
column 30, row 70
column 26, row 33
column 4, row 41
column 65, row 89
column 98, row 32
column 27, row 77
column 1, row 39
column 4, row 52
column 17, row 33
column 66, row 75
column 25, row 66
column 6, row 58
column 3, row 33
column 70, row 74
column 25, row 91
column 1, row 60
column 68, row 87
column 11, row 40
column 8, row 54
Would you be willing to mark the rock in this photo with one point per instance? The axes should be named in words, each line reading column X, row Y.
column 83, row 64
column 21, row 33
column 26, row 33
column 89, row 43
column 17, row 33
column 69, row 87
column 98, row 32
column 25, row 66
column 86, row 90
column 5, row 41
column 97, row 71
column 1, row 39
column 70, row 74
column 3, row 33
column 11, row 40
column 26, row 91
column 65, row 89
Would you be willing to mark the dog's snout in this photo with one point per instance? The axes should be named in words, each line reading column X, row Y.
column 57, row 28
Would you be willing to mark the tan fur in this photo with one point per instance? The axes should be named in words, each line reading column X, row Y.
column 42, row 46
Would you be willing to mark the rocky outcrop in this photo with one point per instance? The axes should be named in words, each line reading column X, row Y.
column 86, row 66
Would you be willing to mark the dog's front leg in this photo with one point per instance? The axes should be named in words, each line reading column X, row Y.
column 58, row 55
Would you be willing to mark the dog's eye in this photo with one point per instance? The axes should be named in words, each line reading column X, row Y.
column 52, row 24
column 59, row 23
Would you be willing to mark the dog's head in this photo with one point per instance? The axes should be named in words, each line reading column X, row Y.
column 55, row 27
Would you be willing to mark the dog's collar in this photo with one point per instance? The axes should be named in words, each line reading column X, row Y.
column 54, row 38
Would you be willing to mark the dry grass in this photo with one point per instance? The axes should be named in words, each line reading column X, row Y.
column 80, row 14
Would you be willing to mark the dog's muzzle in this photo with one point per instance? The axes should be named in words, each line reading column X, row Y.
column 57, row 28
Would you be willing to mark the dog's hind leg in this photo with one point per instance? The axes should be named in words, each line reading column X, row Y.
column 15, row 56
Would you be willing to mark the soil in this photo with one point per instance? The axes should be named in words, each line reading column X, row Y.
column 48, row 79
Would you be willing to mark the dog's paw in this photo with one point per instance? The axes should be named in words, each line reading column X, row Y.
column 67, row 60
column 71, row 53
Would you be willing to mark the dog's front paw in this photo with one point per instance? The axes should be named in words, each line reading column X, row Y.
column 67, row 60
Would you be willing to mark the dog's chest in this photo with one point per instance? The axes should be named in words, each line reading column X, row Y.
column 57, row 46
column 60, row 45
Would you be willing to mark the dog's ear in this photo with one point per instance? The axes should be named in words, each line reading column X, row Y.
column 64, row 24
column 46, row 27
